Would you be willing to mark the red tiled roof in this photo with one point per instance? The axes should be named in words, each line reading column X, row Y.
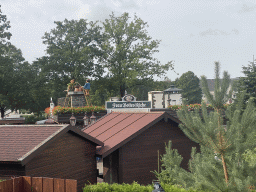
column 22, row 142
column 116, row 129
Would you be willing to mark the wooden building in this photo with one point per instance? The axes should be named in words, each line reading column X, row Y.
column 57, row 151
column 131, row 144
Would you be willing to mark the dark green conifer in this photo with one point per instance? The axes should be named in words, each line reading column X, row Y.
column 224, row 138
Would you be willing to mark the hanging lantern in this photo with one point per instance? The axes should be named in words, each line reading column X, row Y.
column 86, row 120
column 72, row 120
column 93, row 118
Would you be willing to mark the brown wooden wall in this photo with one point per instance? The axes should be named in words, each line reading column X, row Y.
column 70, row 157
column 140, row 156
column 8, row 170
column 110, row 168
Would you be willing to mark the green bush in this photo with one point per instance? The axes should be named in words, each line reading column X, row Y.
column 75, row 110
column 134, row 187
column 32, row 119
column 105, row 187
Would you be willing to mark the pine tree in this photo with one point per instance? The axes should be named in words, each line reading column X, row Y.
column 220, row 165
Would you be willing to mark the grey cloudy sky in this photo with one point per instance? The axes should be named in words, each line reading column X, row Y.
column 194, row 33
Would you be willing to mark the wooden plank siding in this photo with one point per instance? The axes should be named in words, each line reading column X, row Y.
column 139, row 157
column 8, row 170
column 70, row 157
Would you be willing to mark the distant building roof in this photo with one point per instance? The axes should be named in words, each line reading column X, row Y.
column 172, row 88
column 20, row 143
column 211, row 83
column 116, row 129
column 12, row 121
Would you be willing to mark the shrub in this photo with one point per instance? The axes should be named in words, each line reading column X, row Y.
column 105, row 187
column 32, row 119
column 191, row 107
column 75, row 110
column 134, row 187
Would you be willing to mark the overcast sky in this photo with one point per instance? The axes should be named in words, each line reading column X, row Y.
column 194, row 33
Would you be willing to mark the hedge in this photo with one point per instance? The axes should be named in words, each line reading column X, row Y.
column 134, row 187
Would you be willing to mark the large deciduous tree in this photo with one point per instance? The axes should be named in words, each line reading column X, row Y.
column 73, row 49
column 12, row 80
column 191, row 91
column 4, row 35
column 4, row 25
column 128, row 51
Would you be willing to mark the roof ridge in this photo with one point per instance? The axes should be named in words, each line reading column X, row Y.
column 34, row 125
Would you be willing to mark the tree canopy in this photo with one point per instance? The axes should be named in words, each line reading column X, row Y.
column 73, row 48
column 4, row 26
column 128, row 51
column 247, row 83
column 11, row 71
column 191, row 91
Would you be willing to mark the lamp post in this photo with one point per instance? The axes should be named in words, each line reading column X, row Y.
column 93, row 118
column 72, row 120
column 86, row 120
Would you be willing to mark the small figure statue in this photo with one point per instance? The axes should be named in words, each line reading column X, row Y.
column 71, row 85
column 87, row 86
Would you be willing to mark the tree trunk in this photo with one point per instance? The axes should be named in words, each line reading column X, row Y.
column 122, row 90
column 2, row 112
column 221, row 140
column 225, row 168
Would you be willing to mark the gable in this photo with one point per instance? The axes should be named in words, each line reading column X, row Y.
column 22, row 143
column 116, row 129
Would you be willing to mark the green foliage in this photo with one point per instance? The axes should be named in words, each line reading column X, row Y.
column 134, row 187
column 5, row 25
column 73, row 50
column 101, row 90
column 77, row 110
column 171, row 172
column 73, row 46
column 14, row 78
column 192, row 107
column 224, row 162
column 32, row 119
column 105, row 187
column 250, row 157
column 247, row 85
column 189, row 83
column 128, row 51
column 220, row 90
